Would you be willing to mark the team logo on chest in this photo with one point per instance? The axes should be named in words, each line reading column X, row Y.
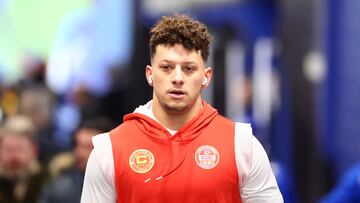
column 141, row 161
column 207, row 157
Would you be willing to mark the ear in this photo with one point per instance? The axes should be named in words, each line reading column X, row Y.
column 207, row 77
column 148, row 73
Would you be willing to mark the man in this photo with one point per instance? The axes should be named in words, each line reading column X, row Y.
column 347, row 190
column 21, row 177
column 66, row 187
column 177, row 148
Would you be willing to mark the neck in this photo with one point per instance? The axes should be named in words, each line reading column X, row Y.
column 175, row 120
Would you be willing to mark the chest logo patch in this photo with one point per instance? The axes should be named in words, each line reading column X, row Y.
column 141, row 161
column 207, row 157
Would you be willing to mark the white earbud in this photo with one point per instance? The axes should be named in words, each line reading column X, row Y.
column 205, row 80
column 150, row 80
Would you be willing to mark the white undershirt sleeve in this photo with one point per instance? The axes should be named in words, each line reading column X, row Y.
column 256, row 179
column 99, row 184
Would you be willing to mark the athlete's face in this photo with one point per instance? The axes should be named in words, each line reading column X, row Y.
column 177, row 76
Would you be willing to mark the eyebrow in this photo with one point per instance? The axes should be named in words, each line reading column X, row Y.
column 186, row 62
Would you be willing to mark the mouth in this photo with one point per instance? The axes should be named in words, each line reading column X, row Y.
column 177, row 93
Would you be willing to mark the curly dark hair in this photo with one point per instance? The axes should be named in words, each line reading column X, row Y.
column 180, row 29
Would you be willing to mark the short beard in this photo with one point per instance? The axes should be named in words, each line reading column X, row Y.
column 176, row 109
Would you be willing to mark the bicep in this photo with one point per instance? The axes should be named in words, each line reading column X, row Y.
column 97, row 188
column 260, row 184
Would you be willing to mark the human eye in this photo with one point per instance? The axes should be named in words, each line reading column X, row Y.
column 165, row 67
column 189, row 68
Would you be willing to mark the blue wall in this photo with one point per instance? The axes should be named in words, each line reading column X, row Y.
column 342, row 88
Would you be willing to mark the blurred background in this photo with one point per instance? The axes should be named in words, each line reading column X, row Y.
column 290, row 68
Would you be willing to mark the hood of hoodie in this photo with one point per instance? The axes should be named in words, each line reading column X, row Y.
column 192, row 129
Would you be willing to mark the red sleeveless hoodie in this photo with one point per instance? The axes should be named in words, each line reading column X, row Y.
column 197, row 164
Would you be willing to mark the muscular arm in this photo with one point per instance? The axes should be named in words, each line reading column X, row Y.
column 99, row 181
column 257, row 181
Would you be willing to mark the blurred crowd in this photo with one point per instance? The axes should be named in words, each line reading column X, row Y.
column 49, row 115
column 36, row 163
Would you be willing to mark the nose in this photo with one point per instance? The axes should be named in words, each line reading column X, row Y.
column 178, row 77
